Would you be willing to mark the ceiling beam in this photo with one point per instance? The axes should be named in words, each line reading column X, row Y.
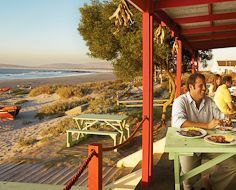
column 215, row 46
column 182, row 3
column 213, row 42
column 138, row 4
column 161, row 15
column 209, row 29
column 212, row 36
column 203, row 18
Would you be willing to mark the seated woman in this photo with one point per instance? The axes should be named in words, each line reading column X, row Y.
column 217, row 81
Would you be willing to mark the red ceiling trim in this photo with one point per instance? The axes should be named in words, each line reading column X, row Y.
column 223, row 16
column 213, row 42
column 161, row 15
column 182, row 3
column 209, row 29
column 138, row 4
column 214, row 46
column 213, row 36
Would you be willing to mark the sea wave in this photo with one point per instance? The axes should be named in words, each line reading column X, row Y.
column 10, row 74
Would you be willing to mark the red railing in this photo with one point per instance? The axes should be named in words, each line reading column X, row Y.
column 94, row 162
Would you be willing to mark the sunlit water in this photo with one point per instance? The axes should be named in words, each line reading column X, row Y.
column 12, row 74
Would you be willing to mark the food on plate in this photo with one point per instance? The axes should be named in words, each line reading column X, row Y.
column 225, row 128
column 229, row 138
column 190, row 132
column 221, row 138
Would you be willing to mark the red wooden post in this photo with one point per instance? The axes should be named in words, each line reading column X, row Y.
column 198, row 62
column 147, row 134
column 179, row 69
column 192, row 64
column 95, row 168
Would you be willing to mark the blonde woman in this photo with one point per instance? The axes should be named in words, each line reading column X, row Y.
column 216, row 83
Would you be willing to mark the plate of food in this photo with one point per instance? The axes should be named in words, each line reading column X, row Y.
column 191, row 132
column 223, row 129
column 221, row 139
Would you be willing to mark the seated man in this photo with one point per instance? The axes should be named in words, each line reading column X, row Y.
column 223, row 98
column 196, row 109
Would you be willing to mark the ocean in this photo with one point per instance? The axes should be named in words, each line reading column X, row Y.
column 12, row 74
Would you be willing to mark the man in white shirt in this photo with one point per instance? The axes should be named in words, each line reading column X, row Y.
column 196, row 109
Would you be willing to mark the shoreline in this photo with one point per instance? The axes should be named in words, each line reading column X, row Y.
column 68, row 80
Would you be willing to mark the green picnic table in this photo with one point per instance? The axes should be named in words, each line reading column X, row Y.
column 116, row 122
column 180, row 146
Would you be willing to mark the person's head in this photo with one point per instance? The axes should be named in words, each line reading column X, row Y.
column 227, row 80
column 217, row 82
column 196, row 85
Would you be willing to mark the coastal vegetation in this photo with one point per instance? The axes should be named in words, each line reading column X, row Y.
column 45, row 89
column 58, row 128
column 59, row 108
column 124, row 48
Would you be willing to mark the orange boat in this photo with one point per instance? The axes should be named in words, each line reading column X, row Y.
column 9, row 112
column 4, row 89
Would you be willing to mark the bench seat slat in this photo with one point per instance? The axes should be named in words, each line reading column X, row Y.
column 93, row 132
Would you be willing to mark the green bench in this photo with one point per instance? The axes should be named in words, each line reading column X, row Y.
column 70, row 133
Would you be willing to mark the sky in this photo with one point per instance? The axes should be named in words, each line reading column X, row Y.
column 37, row 32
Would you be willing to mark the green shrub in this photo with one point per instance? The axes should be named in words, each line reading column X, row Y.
column 117, row 85
column 21, row 102
column 100, row 105
column 59, row 128
column 45, row 89
column 27, row 141
column 58, row 108
column 17, row 91
column 69, row 91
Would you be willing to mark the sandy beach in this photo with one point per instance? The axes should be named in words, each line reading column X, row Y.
column 99, row 76
column 25, row 124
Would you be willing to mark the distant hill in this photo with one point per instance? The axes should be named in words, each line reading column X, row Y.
column 100, row 65
column 12, row 66
column 88, row 66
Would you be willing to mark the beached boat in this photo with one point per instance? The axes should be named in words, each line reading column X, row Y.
column 9, row 112
column 4, row 89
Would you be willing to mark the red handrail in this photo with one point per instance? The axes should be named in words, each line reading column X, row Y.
column 128, row 140
column 93, row 153
column 80, row 171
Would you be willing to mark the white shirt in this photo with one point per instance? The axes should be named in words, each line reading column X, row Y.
column 184, row 108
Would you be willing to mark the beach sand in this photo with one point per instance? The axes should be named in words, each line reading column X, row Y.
column 26, row 125
column 72, row 80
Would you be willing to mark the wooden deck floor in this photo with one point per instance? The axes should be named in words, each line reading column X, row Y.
column 43, row 174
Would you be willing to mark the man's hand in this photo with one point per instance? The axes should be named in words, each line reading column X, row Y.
column 213, row 123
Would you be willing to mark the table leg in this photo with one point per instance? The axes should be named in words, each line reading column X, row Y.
column 80, row 124
column 177, row 171
column 124, row 133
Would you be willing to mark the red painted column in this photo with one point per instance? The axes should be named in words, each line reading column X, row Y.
column 179, row 69
column 192, row 64
column 198, row 62
column 147, row 133
column 95, row 168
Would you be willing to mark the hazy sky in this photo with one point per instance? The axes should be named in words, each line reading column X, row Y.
column 41, row 32
column 35, row 32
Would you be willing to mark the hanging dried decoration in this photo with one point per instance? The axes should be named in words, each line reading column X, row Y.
column 159, row 34
column 175, row 46
column 122, row 15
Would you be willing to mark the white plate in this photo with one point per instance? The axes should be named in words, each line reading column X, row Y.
column 212, row 142
column 230, row 129
column 204, row 133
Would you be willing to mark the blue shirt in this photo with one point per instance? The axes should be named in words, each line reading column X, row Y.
column 184, row 108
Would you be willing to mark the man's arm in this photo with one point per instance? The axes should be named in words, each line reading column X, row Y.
column 210, row 125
